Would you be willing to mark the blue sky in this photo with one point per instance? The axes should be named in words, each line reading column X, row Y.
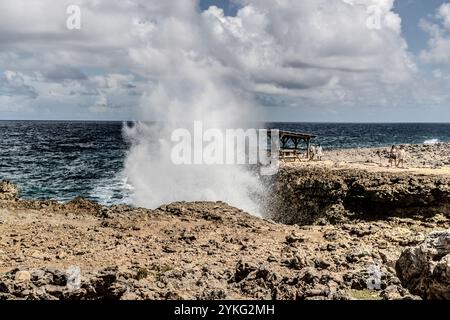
column 309, row 60
column 411, row 11
column 229, row 8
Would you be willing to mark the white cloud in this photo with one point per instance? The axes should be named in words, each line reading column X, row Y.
column 444, row 14
column 14, row 84
column 438, row 51
column 318, row 50
column 284, row 52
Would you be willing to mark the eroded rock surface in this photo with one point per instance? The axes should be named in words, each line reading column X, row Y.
column 425, row 269
column 8, row 191
column 197, row 250
column 308, row 194
column 347, row 229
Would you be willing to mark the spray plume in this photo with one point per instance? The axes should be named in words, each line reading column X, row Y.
column 191, row 85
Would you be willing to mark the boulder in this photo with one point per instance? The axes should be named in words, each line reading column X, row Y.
column 8, row 191
column 22, row 276
column 425, row 269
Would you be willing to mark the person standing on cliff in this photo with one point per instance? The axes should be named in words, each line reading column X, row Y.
column 401, row 154
column 319, row 151
column 392, row 157
column 312, row 152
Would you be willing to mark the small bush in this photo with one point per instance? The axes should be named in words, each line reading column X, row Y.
column 142, row 273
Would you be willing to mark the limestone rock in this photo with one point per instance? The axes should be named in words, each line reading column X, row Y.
column 22, row 276
column 425, row 269
column 316, row 195
column 205, row 250
column 8, row 191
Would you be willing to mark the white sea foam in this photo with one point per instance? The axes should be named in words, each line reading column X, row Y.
column 112, row 191
column 431, row 141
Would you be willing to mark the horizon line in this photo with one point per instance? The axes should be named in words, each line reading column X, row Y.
column 269, row 121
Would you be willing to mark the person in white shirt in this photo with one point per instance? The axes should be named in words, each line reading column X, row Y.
column 401, row 154
column 319, row 151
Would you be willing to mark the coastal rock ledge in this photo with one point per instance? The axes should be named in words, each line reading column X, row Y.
column 311, row 194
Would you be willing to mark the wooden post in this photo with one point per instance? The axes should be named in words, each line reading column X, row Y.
column 307, row 148
column 296, row 153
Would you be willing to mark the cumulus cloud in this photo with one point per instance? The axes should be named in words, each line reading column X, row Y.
column 444, row 14
column 273, row 53
column 438, row 29
column 14, row 84
column 68, row 65
column 322, row 51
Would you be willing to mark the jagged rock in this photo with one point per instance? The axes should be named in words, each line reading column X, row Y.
column 425, row 269
column 322, row 263
column 243, row 269
column 293, row 238
column 213, row 294
column 22, row 276
column 51, row 284
column 8, row 191
column 309, row 275
column 80, row 204
column 395, row 292
column 299, row 261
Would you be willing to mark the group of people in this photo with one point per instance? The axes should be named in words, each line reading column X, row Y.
column 315, row 152
column 397, row 156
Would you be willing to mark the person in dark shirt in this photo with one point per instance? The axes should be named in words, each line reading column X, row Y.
column 393, row 157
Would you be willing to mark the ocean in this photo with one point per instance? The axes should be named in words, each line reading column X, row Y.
column 61, row 160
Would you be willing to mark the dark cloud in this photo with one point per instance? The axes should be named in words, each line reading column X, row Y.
column 12, row 84
column 60, row 73
column 305, row 65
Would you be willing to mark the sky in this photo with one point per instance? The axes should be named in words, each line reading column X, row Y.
column 290, row 60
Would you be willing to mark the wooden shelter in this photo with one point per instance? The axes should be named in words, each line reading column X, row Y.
column 290, row 142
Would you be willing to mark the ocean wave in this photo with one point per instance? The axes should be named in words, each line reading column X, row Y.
column 112, row 191
column 431, row 141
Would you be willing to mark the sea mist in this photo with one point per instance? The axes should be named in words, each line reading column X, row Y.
column 191, row 84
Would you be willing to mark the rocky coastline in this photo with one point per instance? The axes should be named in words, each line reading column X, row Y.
column 332, row 232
